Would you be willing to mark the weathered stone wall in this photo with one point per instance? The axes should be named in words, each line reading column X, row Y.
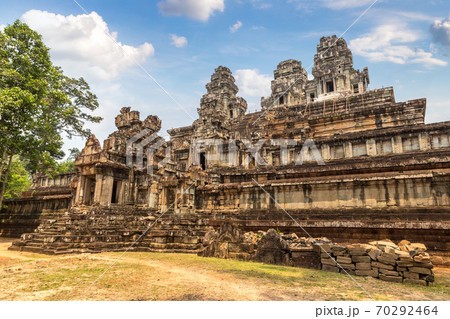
column 25, row 214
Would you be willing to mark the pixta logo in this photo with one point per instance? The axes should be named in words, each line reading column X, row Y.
column 151, row 143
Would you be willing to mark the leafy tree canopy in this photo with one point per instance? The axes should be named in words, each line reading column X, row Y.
column 38, row 103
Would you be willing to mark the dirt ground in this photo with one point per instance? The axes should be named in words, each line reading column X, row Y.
column 154, row 276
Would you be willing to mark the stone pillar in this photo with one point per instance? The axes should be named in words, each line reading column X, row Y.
column 397, row 144
column 348, row 150
column 371, row 147
column 326, row 152
column 424, row 142
column 80, row 190
column 98, row 189
column 106, row 190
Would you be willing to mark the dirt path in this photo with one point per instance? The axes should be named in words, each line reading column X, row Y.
column 210, row 283
column 205, row 284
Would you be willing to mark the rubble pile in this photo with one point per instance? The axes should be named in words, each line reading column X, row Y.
column 403, row 263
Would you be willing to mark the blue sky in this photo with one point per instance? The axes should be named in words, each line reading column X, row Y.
column 405, row 44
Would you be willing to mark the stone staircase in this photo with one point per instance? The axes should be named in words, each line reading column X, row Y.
column 100, row 229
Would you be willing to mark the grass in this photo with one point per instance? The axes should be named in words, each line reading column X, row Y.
column 155, row 276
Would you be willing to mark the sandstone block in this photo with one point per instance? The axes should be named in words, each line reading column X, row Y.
column 374, row 254
column 387, row 261
column 422, row 259
column 411, row 275
column 404, row 263
column 325, row 248
column 348, row 266
column 402, row 245
column 420, row 270
column 344, row 260
column 392, row 256
column 325, row 255
column 338, row 248
column 359, row 249
column 391, row 278
column 341, row 253
column 328, row 261
column 423, row 265
column 361, row 259
column 364, row 266
column 417, row 246
column 381, row 265
column 389, row 272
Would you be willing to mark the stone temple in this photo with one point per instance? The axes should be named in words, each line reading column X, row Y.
column 345, row 162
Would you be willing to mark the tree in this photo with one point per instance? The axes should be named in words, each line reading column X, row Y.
column 38, row 103
column 19, row 180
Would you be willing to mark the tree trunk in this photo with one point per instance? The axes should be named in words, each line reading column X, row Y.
column 5, row 180
column 3, row 163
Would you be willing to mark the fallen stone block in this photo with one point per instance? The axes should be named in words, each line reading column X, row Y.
column 389, row 272
column 417, row 246
column 374, row 253
column 384, row 243
column 402, row 245
column 411, row 275
column 422, row 259
column 359, row 249
column 361, row 259
column 324, row 248
column 420, row 270
column 344, row 260
column 423, row 265
column 381, row 265
column 401, row 263
column 348, row 266
column 387, row 261
column 391, row 278
column 328, row 261
column 363, row 266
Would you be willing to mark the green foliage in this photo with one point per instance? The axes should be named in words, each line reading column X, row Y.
column 38, row 103
column 19, row 180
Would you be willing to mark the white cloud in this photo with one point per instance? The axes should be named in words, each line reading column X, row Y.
column 82, row 44
column 200, row 10
column 251, row 83
column 343, row 4
column 236, row 26
column 258, row 27
column 2, row 27
column 437, row 111
column 308, row 5
column 179, row 42
column 260, row 4
column 440, row 31
column 392, row 42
